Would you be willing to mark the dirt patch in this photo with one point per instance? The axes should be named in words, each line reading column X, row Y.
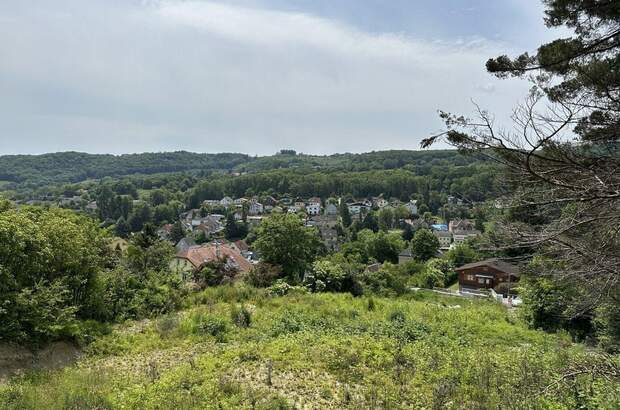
column 16, row 360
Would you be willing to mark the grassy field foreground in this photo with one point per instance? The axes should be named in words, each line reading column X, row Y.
column 241, row 348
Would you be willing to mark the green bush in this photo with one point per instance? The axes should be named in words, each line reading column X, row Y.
column 209, row 324
column 241, row 317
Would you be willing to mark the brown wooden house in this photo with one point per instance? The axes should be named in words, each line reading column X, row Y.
column 486, row 274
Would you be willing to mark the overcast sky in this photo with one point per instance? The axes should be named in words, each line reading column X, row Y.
column 254, row 76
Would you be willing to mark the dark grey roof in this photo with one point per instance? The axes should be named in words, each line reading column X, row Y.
column 494, row 263
column 184, row 244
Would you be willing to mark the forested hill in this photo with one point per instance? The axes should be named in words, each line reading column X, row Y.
column 65, row 167
column 71, row 167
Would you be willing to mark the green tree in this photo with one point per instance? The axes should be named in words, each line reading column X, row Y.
column 370, row 222
column 177, row 232
column 407, row 232
column 49, row 264
column 462, row 254
column 284, row 240
column 345, row 215
column 386, row 219
column 561, row 161
column 380, row 246
column 424, row 245
column 122, row 228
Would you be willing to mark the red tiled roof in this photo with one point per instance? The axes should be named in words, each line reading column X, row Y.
column 199, row 255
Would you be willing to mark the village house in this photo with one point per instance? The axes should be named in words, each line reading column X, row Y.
column 412, row 206
column 184, row 244
column 313, row 208
column 314, row 200
column 240, row 201
column 461, row 225
column 405, row 256
column 327, row 228
column 379, row 202
column 194, row 258
column 357, row 207
column 445, row 239
column 209, row 226
column 270, row 201
column 486, row 274
column 461, row 236
column 255, row 207
column 211, row 202
column 226, row 201
column 299, row 204
column 293, row 209
column 254, row 221
column 331, row 209
column 164, row 231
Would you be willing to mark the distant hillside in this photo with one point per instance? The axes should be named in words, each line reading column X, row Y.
column 66, row 167
column 71, row 167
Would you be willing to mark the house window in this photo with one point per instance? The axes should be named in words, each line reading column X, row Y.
column 469, row 277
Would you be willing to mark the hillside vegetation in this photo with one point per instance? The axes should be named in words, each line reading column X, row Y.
column 239, row 347
column 20, row 171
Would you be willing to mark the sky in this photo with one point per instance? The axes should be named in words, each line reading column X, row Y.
column 252, row 76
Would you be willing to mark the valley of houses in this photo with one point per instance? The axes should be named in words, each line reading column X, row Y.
column 318, row 213
column 209, row 224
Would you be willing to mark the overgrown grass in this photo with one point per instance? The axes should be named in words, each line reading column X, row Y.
column 238, row 347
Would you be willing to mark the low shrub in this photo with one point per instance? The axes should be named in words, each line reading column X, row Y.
column 241, row 317
column 209, row 324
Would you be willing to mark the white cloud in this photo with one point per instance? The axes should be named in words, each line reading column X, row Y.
column 116, row 76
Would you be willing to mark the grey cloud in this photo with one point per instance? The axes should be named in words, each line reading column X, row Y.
column 115, row 76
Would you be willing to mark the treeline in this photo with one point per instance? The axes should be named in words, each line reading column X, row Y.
column 417, row 161
column 71, row 167
column 35, row 171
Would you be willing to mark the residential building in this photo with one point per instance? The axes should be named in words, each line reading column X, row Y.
column 326, row 225
column 331, row 209
column 269, row 201
column 461, row 236
column 226, row 201
column 255, row 208
column 313, row 208
column 445, row 239
column 194, row 258
column 412, row 206
column 211, row 202
column 184, row 244
column 254, row 220
column 405, row 256
column 486, row 274
column 461, row 225
column 357, row 207
column 314, row 200
column 164, row 231
column 380, row 202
